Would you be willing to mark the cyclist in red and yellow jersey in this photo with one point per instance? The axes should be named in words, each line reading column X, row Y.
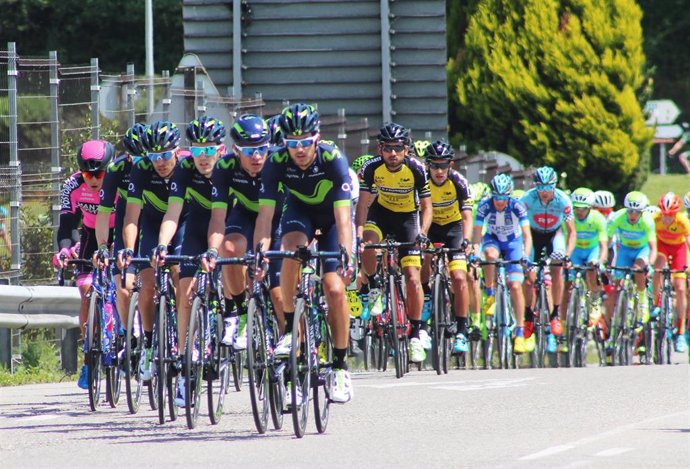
column 673, row 239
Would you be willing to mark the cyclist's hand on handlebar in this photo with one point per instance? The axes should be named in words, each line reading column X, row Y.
column 124, row 257
column 525, row 261
column 60, row 258
column 159, row 254
column 208, row 259
column 101, row 256
column 472, row 259
column 422, row 240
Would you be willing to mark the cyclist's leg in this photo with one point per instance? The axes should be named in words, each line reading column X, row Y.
column 274, row 283
column 557, row 253
column 515, row 276
column 148, row 240
column 194, row 242
column 679, row 261
column 683, row 160
column 373, row 233
column 663, row 251
column 411, row 264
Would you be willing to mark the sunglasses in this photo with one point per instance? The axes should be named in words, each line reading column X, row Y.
column 545, row 187
column 392, row 148
column 93, row 174
column 439, row 165
column 300, row 142
column 165, row 155
column 250, row 151
column 204, row 151
column 633, row 211
column 500, row 197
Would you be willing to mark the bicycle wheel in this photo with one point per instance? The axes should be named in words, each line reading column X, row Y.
column 446, row 343
column 321, row 383
column 300, row 369
column 501, row 340
column 392, row 327
column 257, row 366
column 162, row 371
column 193, row 362
column 541, row 328
column 113, row 375
column 237, row 362
column 152, row 384
column 617, row 328
column 367, row 350
column 276, row 398
column 629, row 332
column 134, row 348
column 437, row 303
column 216, row 369
column 93, row 354
column 663, row 344
column 571, row 324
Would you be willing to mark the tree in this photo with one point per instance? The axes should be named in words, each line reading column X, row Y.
column 556, row 82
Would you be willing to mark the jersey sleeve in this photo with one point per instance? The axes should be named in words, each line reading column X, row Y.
column 462, row 190
column 520, row 211
column 113, row 178
column 421, row 181
column 222, row 175
column 567, row 207
column 482, row 212
column 366, row 175
column 140, row 175
column 180, row 180
column 270, row 178
column 340, row 175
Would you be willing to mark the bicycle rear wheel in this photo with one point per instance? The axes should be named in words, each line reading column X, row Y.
column 193, row 362
column 571, row 326
column 93, row 354
column 257, row 366
column 216, row 369
column 134, row 348
column 320, row 384
column 237, row 361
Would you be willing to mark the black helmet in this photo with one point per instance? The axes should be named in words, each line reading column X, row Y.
column 299, row 119
column 276, row 135
column 162, row 136
column 206, row 129
column 439, row 150
column 249, row 129
column 133, row 140
column 393, row 132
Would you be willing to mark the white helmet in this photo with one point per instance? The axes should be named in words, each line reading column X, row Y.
column 652, row 210
column 603, row 199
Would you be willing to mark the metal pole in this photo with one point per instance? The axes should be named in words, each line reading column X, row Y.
column 149, row 55
column 237, row 50
column 189, row 99
column 386, row 103
column 365, row 136
column 166, row 95
column 6, row 348
column 55, row 169
column 662, row 158
column 14, row 151
column 95, row 92
column 200, row 97
column 68, row 349
column 342, row 132
column 131, row 92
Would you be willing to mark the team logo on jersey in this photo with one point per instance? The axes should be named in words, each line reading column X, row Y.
column 101, row 193
column 173, row 187
column 214, row 191
column 130, row 187
column 346, row 187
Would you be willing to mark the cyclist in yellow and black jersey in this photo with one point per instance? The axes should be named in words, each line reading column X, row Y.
column 394, row 185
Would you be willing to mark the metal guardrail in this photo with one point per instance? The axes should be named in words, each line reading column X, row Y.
column 40, row 307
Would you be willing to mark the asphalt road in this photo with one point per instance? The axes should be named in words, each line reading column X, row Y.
column 635, row 416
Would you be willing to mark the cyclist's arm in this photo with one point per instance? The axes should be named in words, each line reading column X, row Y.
column 526, row 240
column 130, row 229
column 170, row 221
column 687, row 242
column 466, row 224
column 216, row 227
column 572, row 236
column 365, row 200
column 427, row 214
column 678, row 145
column 476, row 235
column 343, row 223
column 652, row 251
column 102, row 227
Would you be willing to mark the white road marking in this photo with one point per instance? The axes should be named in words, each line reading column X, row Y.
column 547, row 452
column 613, row 452
column 467, row 385
column 39, row 418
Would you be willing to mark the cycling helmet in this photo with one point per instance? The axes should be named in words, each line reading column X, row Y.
column 439, row 150
column 299, row 119
column 582, row 197
column 603, row 199
column 502, row 184
column 652, row 210
column 420, row 147
column 275, row 134
column 94, row 155
column 206, row 129
column 635, row 200
column 133, row 140
column 392, row 132
column 669, row 203
column 249, row 129
column 162, row 136
column 359, row 162
column 545, row 175
column 686, row 200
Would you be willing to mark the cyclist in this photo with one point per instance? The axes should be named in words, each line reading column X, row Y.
column 682, row 157
column 508, row 237
column 79, row 202
column 315, row 174
column 451, row 225
column 3, row 230
column 637, row 244
column 391, row 184
column 114, row 199
column 673, row 241
column 238, row 175
column 590, row 249
column 548, row 209
column 147, row 195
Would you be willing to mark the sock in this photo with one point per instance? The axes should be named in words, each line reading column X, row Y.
column 339, row 358
column 554, row 312
column 240, row 303
column 230, row 311
column 288, row 321
column 529, row 314
column 414, row 332
column 427, row 289
column 148, row 338
column 462, row 324
column 489, row 291
column 519, row 332
column 373, row 281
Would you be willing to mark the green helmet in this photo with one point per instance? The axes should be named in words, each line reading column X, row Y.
column 359, row 162
column 420, row 148
column 582, row 197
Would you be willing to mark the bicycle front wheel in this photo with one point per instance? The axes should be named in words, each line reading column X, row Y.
column 134, row 348
column 437, row 304
column 320, row 384
column 162, row 372
column 300, row 369
column 194, row 353
column 93, row 354
column 257, row 366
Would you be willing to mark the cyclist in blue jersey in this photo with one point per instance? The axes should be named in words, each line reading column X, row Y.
column 508, row 237
column 114, row 199
column 238, row 175
column 147, row 202
column 548, row 209
column 315, row 174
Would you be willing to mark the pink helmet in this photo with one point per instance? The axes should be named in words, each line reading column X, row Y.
column 94, row 155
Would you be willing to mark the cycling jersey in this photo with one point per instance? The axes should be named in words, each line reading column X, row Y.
column 547, row 217
column 676, row 232
column 77, row 198
column 148, row 190
column 192, row 189
column 450, row 198
column 505, row 225
column 632, row 236
column 396, row 191
column 590, row 231
column 115, row 183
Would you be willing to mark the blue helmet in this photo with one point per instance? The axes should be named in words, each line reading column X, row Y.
column 133, row 140
column 501, row 184
column 162, row 136
column 545, row 175
column 299, row 119
column 276, row 135
column 249, row 129
column 206, row 129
